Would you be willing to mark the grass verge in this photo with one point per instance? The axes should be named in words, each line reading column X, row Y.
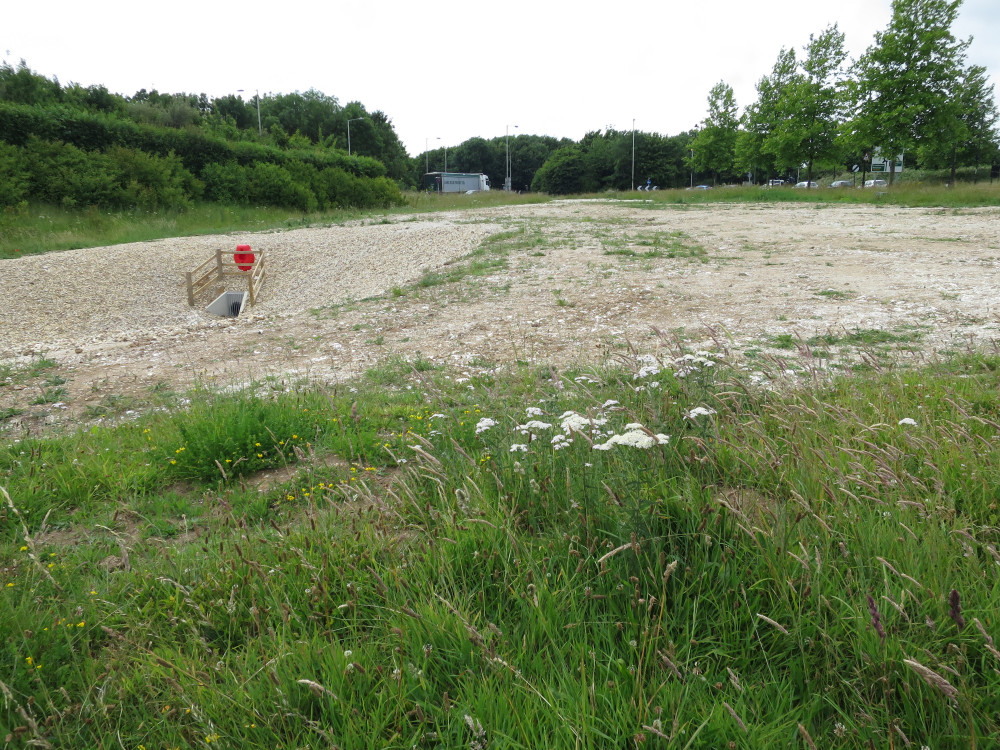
column 671, row 552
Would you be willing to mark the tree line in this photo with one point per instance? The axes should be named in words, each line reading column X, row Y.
column 72, row 145
column 913, row 92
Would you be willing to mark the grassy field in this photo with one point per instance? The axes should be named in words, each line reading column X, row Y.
column 672, row 552
column 28, row 230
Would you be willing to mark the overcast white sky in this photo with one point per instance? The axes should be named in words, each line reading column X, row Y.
column 455, row 69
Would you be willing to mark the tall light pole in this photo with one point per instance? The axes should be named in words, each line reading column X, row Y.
column 506, row 183
column 427, row 163
column 260, row 130
column 353, row 119
column 632, row 184
column 692, row 167
column 446, row 157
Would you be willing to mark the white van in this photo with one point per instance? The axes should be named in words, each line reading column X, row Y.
column 876, row 183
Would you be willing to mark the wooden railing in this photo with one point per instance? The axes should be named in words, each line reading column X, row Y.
column 222, row 265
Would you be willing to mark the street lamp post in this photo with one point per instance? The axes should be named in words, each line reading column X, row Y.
column 632, row 183
column 507, row 180
column 446, row 157
column 353, row 119
column 692, row 167
column 260, row 130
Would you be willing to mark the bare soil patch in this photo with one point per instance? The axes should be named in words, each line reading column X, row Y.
column 822, row 282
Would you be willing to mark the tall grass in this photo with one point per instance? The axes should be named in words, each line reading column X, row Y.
column 901, row 194
column 35, row 229
column 31, row 229
column 672, row 552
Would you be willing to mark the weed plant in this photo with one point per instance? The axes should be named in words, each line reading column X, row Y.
column 671, row 552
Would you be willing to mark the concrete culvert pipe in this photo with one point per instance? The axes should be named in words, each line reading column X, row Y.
column 229, row 304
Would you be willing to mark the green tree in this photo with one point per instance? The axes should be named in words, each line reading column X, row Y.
column 971, row 137
column 231, row 107
column 527, row 155
column 21, row 85
column 753, row 149
column 478, row 155
column 563, row 173
column 715, row 144
column 310, row 114
column 906, row 82
column 809, row 110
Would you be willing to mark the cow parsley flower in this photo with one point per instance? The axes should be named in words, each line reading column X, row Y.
column 529, row 428
column 699, row 411
column 560, row 441
column 634, row 438
column 518, row 447
column 570, row 421
column 907, row 420
column 484, row 424
column 534, row 411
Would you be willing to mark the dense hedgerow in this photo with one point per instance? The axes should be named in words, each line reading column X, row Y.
column 70, row 157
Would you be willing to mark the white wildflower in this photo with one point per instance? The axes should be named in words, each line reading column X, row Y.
column 634, row 438
column 907, row 420
column 609, row 403
column 561, row 441
column 570, row 422
column 699, row 411
column 518, row 447
column 484, row 424
column 534, row 411
column 533, row 426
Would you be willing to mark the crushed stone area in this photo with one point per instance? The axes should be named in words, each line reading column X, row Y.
column 571, row 282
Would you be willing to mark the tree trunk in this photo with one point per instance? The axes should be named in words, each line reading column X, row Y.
column 954, row 160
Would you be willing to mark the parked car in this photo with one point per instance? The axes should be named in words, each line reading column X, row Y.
column 701, row 187
column 775, row 183
column 806, row 185
column 841, row 183
column 876, row 183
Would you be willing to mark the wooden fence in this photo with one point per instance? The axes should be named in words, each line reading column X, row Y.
column 218, row 268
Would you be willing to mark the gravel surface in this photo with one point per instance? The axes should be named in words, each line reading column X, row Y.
column 83, row 297
column 589, row 282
